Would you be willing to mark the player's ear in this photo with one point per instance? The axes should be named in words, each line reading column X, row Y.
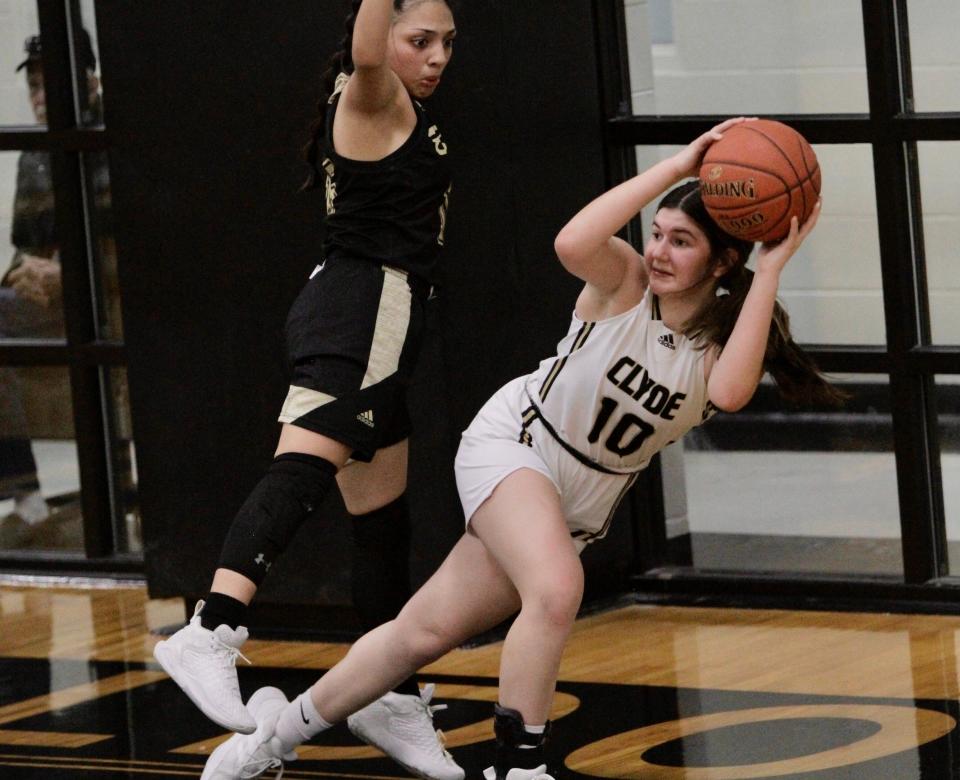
column 725, row 263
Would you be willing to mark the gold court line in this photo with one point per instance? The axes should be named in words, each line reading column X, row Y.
column 61, row 739
column 77, row 694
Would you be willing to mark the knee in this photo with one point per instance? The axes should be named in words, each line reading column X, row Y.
column 423, row 641
column 556, row 598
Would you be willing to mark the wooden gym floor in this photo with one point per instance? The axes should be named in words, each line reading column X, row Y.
column 644, row 692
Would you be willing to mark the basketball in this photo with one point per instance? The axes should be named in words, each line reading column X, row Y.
column 758, row 176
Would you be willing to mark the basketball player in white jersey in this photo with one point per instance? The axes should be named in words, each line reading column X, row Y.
column 652, row 351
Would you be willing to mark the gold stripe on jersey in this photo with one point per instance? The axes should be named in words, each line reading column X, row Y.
column 301, row 401
column 390, row 332
column 589, row 536
column 527, row 418
column 561, row 362
column 655, row 309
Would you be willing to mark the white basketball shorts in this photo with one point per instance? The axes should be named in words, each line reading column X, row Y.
column 494, row 446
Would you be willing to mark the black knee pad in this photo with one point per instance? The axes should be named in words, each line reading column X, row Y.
column 516, row 747
column 292, row 488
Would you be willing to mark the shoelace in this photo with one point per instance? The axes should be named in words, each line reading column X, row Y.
column 425, row 696
column 232, row 653
column 261, row 765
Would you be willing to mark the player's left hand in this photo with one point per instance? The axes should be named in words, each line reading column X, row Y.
column 689, row 158
column 774, row 256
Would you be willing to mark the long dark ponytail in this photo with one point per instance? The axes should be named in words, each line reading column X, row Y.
column 797, row 377
column 340, row 62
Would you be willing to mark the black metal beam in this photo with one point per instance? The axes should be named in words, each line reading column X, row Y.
column 75, row 263
column 645, row 501
column 69, row 563
column 675, row 130
column 34, row 139
column 53, row 352
column 918, row 360
column 818, row 129
column 906, row 313
column 683, row 586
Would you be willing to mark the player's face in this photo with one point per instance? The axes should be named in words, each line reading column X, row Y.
column 421, row 44
column 677, row 256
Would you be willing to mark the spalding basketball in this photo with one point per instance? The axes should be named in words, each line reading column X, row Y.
column 758, row 176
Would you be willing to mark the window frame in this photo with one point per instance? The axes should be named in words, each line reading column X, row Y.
column 87, row 357
column 909, row 358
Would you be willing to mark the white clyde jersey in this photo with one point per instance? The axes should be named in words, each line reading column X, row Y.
column 621, row 389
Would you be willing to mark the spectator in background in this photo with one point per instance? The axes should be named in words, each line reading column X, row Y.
column 31, row 291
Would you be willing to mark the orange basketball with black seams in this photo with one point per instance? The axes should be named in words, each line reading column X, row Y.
column 758, row 176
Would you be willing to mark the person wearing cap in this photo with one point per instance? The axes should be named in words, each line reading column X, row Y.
column 31, row 290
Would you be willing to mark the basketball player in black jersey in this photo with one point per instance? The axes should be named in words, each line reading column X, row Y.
column 353, row 336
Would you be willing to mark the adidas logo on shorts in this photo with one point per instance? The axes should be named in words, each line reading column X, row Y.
column 667, row 340
column 366, row 418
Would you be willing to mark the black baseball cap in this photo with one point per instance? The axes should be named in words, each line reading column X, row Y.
column 34, row 50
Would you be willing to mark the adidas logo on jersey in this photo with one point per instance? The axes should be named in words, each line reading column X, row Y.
column 366, row 418
column 667, row 340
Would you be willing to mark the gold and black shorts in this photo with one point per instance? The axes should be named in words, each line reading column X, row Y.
column 353, row 337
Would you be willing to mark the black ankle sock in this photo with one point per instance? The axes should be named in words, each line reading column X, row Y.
column 408, row 687
column 516, row 747
column 219, row 609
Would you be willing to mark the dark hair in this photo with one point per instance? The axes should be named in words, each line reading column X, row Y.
column 797, row 377
column 340, row 62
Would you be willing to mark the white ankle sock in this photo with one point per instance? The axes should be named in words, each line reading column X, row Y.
column 298, row 722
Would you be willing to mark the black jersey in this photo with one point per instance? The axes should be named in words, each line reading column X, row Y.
column 394, row 210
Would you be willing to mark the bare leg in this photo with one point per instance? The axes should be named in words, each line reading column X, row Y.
column 369, row 486
column 468, row 594
column 521, row 550
column 522, row 526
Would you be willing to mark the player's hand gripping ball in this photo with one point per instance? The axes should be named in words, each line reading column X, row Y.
column 758, row 176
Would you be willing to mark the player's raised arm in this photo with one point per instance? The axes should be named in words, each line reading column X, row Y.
column 738, row 370
column 587, row 245
column 375, row 85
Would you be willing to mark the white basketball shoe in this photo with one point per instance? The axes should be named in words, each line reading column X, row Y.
column 245, row 756
column 402, row 727
column 204, row 664
column 540, row 773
